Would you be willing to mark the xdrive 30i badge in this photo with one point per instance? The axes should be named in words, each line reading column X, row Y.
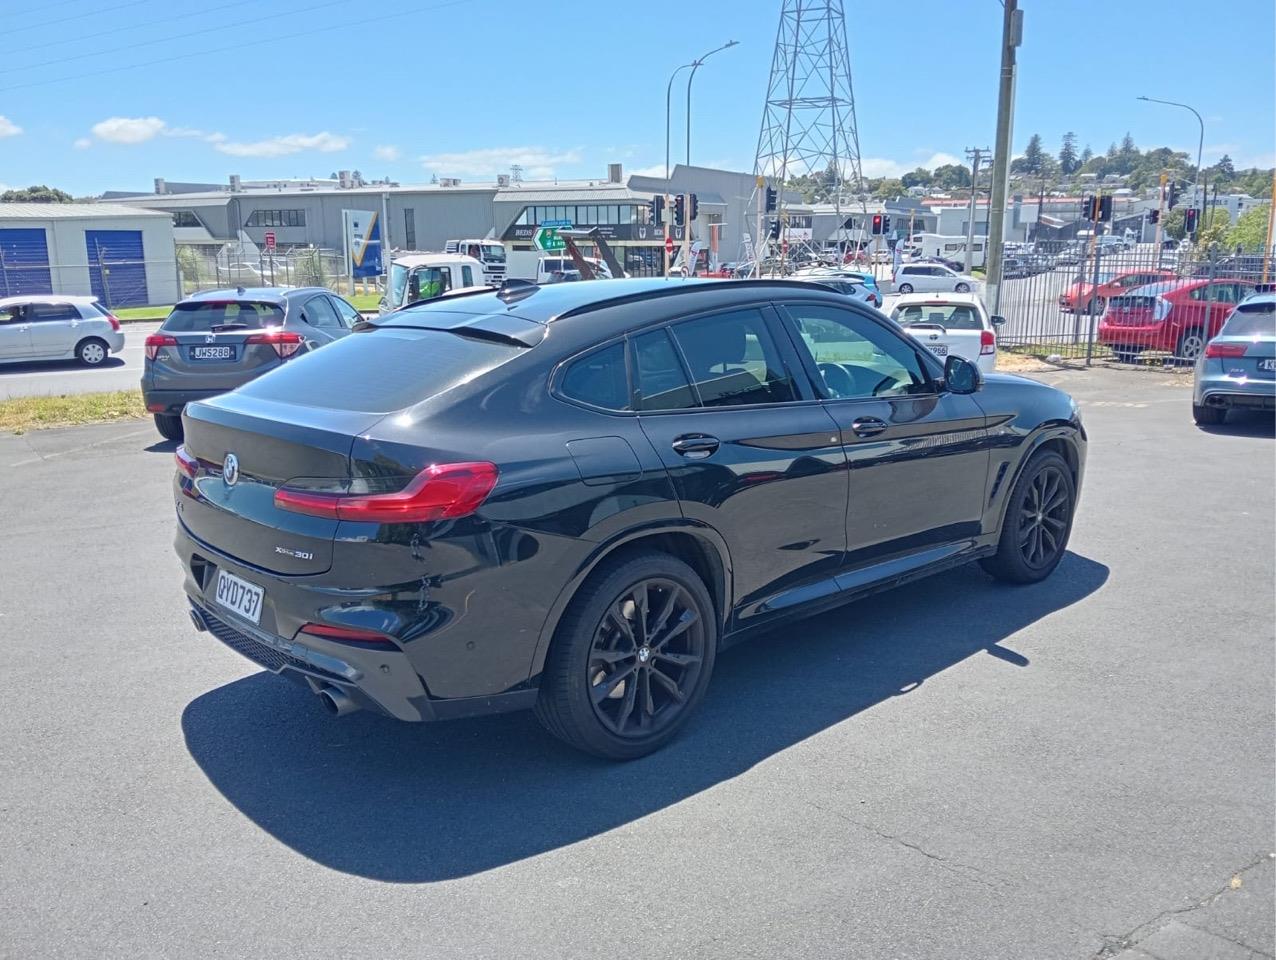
column 295, row 554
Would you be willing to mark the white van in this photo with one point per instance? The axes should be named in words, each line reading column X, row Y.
column 490, row 253
column 947, row 247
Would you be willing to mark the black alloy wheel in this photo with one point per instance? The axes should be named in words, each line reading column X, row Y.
column 646, row 658
column 1037, row 521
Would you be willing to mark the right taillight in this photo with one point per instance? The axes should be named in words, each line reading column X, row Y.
column 441, row 492
column 157, row 340
column 987, row 342
column 1225, row 349
column 114, row 322
column 186, row 463
column 285, row 342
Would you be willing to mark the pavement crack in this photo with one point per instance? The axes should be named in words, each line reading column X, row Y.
column 1115, row 943
column 954, row 866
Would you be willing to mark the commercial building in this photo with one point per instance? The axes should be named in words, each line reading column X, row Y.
column 122, row 255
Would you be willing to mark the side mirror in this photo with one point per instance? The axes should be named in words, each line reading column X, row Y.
column 961, row 376
column 997, row 321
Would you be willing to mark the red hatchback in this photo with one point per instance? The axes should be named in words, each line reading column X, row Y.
column 1076, row 299
column 1177, row 316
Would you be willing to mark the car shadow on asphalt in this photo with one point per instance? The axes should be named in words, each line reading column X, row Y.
column 1244, row 423
column 42, row 366
column 415, row 803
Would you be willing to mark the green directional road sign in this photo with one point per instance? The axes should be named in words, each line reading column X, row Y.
column 547, row 239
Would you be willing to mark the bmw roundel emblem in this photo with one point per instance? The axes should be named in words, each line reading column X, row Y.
column 230, row 470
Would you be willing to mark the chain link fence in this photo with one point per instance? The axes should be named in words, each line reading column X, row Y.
column 1108, row 300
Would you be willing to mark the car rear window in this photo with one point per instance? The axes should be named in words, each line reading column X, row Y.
column 952, row 316
column 204, row 316
column 1252, row 320
column 382, row 370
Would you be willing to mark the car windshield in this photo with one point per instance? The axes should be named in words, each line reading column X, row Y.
column 398, row 283
column 493, row 253
column 203, row 316
column 951, row 316
column 1252, row 320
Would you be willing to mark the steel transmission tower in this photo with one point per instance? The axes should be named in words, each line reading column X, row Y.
column 808, row 123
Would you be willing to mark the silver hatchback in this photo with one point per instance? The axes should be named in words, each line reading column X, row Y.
column 1237, row 369
column 54, row 327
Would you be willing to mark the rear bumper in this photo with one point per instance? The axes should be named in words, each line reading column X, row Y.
column 115, row 340
column 1147, row 336
column 1235, row 393
column 174, row 401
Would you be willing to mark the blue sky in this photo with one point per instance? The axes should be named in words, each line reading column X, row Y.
column 275, row 88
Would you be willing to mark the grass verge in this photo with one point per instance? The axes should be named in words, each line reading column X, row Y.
column 141, row 314
column 365, row 302
column 36, row 413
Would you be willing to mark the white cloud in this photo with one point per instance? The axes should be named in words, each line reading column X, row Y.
column 8, row 128
column 83, row 143
column 874, row 167
column 655, row 170
column 282, row 146
column 538, row 163
column 128, row 129
column 387, row 152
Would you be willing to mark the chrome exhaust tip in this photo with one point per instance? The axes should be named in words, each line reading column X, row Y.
column 198, row 622
column 336, row 702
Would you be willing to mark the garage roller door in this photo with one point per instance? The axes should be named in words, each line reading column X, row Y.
column 24, row 263
column 120, row 251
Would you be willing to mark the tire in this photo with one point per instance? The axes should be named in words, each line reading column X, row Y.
column 170, row 426
column 1044, row 478
column 592, row 648
column 92, row 352
column 1208, row 416
column 1096, row 306
column 904, row 288
column 962, row 288
column 1190, row 345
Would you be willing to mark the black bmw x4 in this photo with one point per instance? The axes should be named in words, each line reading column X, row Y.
column 572, row 497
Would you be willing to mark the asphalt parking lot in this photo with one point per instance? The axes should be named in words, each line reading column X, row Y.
column 956, row 769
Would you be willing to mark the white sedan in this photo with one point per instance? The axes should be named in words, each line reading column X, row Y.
column 932, row 278
column 950, row 323
column 53, row 327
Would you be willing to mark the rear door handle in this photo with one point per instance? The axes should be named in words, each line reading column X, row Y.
column 868, row 426
column 696, row 446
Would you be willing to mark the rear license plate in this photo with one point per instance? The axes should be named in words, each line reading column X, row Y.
column 212, row 353
column 239, row 596
column 938, row 349
column 1268, row 365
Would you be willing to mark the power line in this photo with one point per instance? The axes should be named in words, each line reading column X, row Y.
column 229, row 49
column 179, row 36
column 78, row 16
column 133, row 27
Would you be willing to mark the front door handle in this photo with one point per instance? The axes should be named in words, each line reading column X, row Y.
column 696, row 446
column 868, row 426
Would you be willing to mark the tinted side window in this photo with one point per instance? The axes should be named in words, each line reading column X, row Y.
column 662, row 381
column 349, row 315
column 11, row 315
column 319, row 313
column 599, row 379
column 733, row 360
column 45, row 312
column 856, row 358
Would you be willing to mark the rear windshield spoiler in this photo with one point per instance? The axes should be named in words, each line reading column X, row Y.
column 497, row 328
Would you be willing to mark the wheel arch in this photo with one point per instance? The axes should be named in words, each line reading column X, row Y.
column 697, row 545
column 1057, row 437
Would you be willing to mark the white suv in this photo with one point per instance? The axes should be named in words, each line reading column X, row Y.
column 950, row 323
column 931, row 277
column 57, row 327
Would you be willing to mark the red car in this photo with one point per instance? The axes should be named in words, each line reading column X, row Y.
column 1178, row 316
column 1077, row 297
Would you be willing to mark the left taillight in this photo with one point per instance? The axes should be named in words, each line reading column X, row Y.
column 440, row 492
column 1226, row 349
column 285, row 342
column 157, row 340
column 987, row 342
column 186, row 463
column 114, row 321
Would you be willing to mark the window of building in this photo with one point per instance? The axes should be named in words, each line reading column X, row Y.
column 599, row 379
column 186, row 218
column 409, row 228
column 276, row 218
column 733, row 360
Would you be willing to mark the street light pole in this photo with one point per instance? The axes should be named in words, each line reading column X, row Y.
column 668, row 211
column 695, row 65
column 1200, row 147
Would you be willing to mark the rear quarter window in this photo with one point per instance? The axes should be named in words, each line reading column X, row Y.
column 381, row 370
column 203, row 317
column 598, row 379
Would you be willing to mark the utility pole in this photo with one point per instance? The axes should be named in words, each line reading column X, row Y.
column 760, row 193
column 1160, row 215
column 974, row 155
column 1011, row 38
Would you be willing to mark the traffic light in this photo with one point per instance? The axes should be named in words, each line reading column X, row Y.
column 693, row 206
column 774, row 232
column 1105, row 209
column 1173, row 195
column 770, row 199
column 886, row 225
column 877, row 224
column 1090, row 207
column 1154, row 216
column 1189, row 220
column 680, row 210
column 657, row 208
